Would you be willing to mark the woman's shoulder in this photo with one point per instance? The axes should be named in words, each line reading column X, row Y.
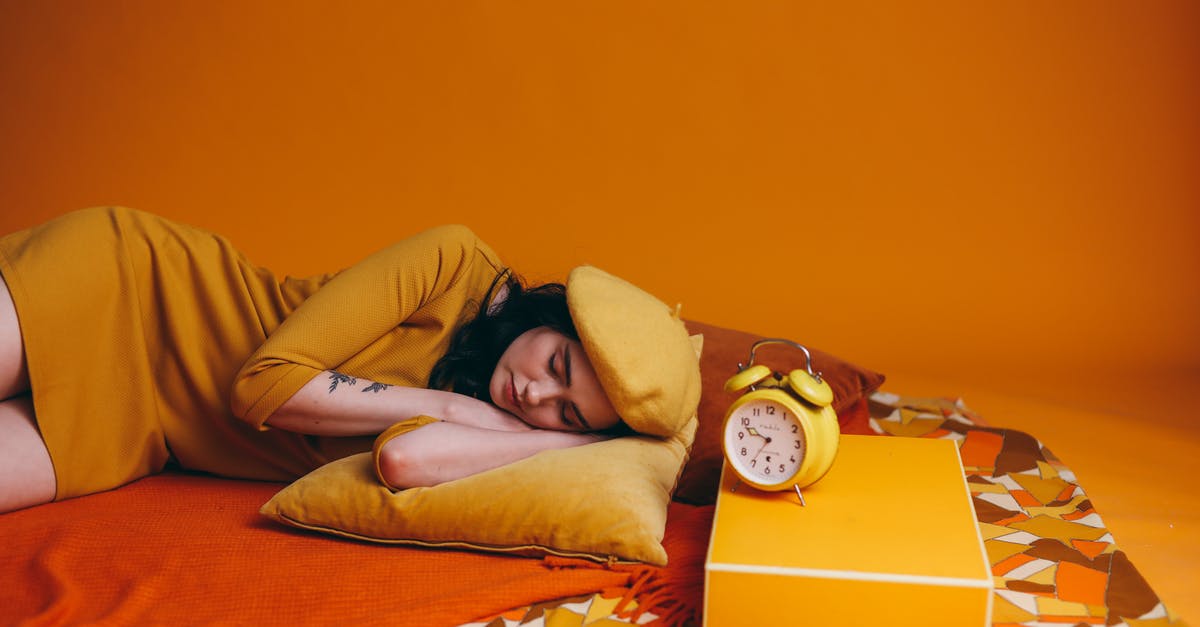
column 450, row 232
column 450, row 238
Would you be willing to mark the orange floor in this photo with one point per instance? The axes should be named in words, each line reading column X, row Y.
column 1137, row 464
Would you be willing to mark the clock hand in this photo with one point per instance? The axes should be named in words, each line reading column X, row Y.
column 766, row 441
column 761, row 449
column 754, row 432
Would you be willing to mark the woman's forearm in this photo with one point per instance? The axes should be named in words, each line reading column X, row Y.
column 444, row 451
column 336, row 404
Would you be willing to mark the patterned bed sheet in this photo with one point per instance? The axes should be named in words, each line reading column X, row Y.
column 1053, row 560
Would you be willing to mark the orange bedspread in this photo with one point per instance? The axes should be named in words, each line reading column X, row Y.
column 182, row 549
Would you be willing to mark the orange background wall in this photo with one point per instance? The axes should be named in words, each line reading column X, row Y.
column 1002, row 191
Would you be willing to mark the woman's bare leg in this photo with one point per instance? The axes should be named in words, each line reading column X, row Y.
column 14, row 377
column 26, row 474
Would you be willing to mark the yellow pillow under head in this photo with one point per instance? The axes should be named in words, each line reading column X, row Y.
column 639, row 348
column 598, row 501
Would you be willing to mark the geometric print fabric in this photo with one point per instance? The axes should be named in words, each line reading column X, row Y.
column 1053, row 561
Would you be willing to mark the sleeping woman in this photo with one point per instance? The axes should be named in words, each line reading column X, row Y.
column 129, row 343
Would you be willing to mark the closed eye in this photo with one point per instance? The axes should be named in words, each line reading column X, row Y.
column 552, row 367
column 579, row 419
column 569, row 413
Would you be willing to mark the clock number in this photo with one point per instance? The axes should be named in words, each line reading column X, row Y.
column 741, row 434
column 767, row 470
column 781, row 468
column 770, row 410
column 756, row 411
column 743, row 451
column 753, row 463
column 745, row 422
column 797, row 442
column 794, row 427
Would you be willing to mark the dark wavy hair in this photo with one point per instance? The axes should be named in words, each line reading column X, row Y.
column 477, row 345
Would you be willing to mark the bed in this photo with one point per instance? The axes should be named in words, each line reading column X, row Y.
column 182, row 548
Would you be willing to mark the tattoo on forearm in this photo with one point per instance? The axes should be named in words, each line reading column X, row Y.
column 376, row 387
column 336, row 377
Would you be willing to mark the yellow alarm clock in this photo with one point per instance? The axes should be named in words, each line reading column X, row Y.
column 783, row 432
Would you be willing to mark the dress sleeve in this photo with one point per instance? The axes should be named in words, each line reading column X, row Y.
column 350, row 312
column 392, row 432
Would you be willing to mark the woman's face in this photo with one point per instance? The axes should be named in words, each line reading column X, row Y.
column 545, row 379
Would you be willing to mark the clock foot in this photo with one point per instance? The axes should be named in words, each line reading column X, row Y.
column 800, row 496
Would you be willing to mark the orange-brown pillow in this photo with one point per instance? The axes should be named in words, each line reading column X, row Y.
column 724, row 349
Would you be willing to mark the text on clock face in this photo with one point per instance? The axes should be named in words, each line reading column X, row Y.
column 767, row 441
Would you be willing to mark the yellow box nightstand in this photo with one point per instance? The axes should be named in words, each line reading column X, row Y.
column 888, row 537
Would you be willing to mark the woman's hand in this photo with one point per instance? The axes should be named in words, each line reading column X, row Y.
column 472, row 412
column 444, row 451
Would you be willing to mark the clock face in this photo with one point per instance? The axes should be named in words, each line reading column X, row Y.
column 764, row 442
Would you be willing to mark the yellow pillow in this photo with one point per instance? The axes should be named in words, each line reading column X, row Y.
column 639, row 348
column 598, row 501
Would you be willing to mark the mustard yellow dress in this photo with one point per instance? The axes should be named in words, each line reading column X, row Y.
column 150, row 342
